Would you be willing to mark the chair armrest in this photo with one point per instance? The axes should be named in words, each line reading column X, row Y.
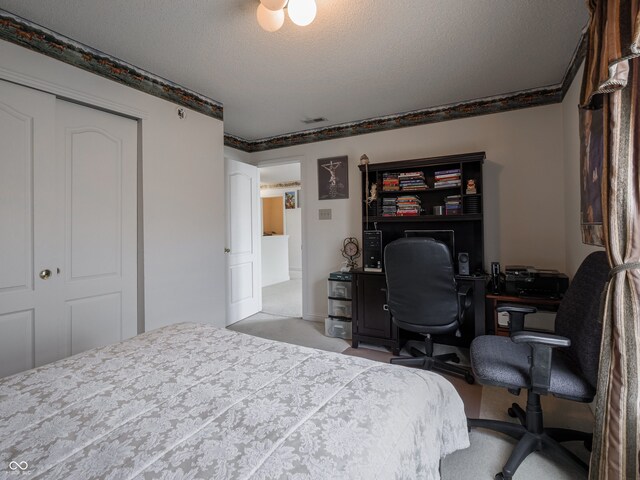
column 542, row 345
column 516, row 315
column 463, row 290
column 540, row 338
column 464, row 301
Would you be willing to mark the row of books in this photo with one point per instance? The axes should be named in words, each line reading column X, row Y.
column 453, row 205
column 389, row 208
column 408, row 181
column 447, row 178
column 390, row 182
column 404, row 206
column 412, row 181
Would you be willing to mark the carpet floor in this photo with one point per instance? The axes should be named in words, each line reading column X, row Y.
column 283, row 299
column 488, row 450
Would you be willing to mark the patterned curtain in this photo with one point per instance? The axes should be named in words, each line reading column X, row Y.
column 612, row 82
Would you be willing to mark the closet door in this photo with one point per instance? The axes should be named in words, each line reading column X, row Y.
column 68, row 220
column 97, row 164
column 29, row 287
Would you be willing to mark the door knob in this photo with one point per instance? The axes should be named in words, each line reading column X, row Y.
column 45, row 274
column 227, row 250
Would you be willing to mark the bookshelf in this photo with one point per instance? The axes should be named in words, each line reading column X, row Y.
column 467, row 221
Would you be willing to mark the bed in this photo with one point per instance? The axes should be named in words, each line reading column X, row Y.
column 193, row 401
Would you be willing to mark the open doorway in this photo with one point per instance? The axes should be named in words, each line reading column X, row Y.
column 281, row 206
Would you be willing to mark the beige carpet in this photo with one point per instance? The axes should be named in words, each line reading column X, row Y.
column 488, row 450
column 283, row 299
column 289, row 330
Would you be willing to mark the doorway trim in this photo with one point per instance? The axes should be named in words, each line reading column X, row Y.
column 304, row 183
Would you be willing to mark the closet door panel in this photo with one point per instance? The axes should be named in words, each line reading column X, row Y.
column 16, row 201
column 30, row 317
column 94, row 192
column 97, row 152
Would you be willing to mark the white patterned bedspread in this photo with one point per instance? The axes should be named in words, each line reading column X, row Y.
column 196, row 402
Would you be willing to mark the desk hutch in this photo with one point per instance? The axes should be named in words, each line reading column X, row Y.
column 371, row 321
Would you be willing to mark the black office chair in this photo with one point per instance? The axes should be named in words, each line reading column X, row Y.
column 423, row 297
column 564, row 365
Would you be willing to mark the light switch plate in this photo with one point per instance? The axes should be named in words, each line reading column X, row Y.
column 324, row 214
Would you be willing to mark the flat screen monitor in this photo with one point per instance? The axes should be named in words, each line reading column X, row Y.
column 444, row 236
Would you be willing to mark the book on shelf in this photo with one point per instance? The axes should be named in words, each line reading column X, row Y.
column 448, row 177
column 447, row 172
column 447, row 184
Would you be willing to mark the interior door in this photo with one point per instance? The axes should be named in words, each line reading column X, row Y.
column 244, row 292
column 28, row 203
column 97, row 165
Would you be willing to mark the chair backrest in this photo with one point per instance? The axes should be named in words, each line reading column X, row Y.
column 578, row 316
column 421, row 289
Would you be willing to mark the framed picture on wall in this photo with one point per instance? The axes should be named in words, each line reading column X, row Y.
column 289, row 200
column 591, row 157
column 333, row 178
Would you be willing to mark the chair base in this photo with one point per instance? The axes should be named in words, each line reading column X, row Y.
column 531, row 436
column 428, row 361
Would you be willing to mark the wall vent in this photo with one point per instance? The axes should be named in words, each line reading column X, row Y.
column 309, row 121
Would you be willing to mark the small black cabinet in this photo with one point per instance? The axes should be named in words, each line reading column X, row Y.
column 371, row 320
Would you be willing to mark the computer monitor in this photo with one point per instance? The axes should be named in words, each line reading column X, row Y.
column 445, row 236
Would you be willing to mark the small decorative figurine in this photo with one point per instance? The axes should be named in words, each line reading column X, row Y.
column 471, row 187
column 373, row 195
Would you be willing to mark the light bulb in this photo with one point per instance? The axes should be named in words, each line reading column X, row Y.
column 268, row 19
column 274, row 5
column 302, row 12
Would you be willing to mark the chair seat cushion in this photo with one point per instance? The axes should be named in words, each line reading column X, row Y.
column 500, row 362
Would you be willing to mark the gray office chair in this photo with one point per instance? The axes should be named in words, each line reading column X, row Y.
column 564, row 365
column 423, row 297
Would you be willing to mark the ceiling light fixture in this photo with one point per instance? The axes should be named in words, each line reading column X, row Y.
column 270, row 13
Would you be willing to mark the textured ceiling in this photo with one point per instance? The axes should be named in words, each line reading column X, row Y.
column 359, row 59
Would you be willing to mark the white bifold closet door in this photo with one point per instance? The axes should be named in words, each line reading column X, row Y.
column 68, row 220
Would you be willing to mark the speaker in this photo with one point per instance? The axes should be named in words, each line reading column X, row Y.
column 463, row 263
column 495, row 277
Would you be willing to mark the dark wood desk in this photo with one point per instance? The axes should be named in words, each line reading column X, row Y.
column 371, row 321
column 494, row 300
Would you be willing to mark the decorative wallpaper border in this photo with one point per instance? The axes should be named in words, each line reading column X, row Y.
column 277, row 186
column 502, row 103
column 35, row 37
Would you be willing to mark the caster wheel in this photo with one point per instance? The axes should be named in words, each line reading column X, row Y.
column 456, row 360
column 499, row 476
column 469, row 378
column 511, row 412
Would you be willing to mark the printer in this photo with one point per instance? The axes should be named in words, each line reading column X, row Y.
column 526, row 281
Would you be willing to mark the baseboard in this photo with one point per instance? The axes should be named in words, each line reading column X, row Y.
column 314, row 317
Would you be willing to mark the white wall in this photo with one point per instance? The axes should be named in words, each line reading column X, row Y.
column 237, row 155
column 275, row 259
column 182, row 184
column 292, row 227
column 576, row 251
column 523, row 187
